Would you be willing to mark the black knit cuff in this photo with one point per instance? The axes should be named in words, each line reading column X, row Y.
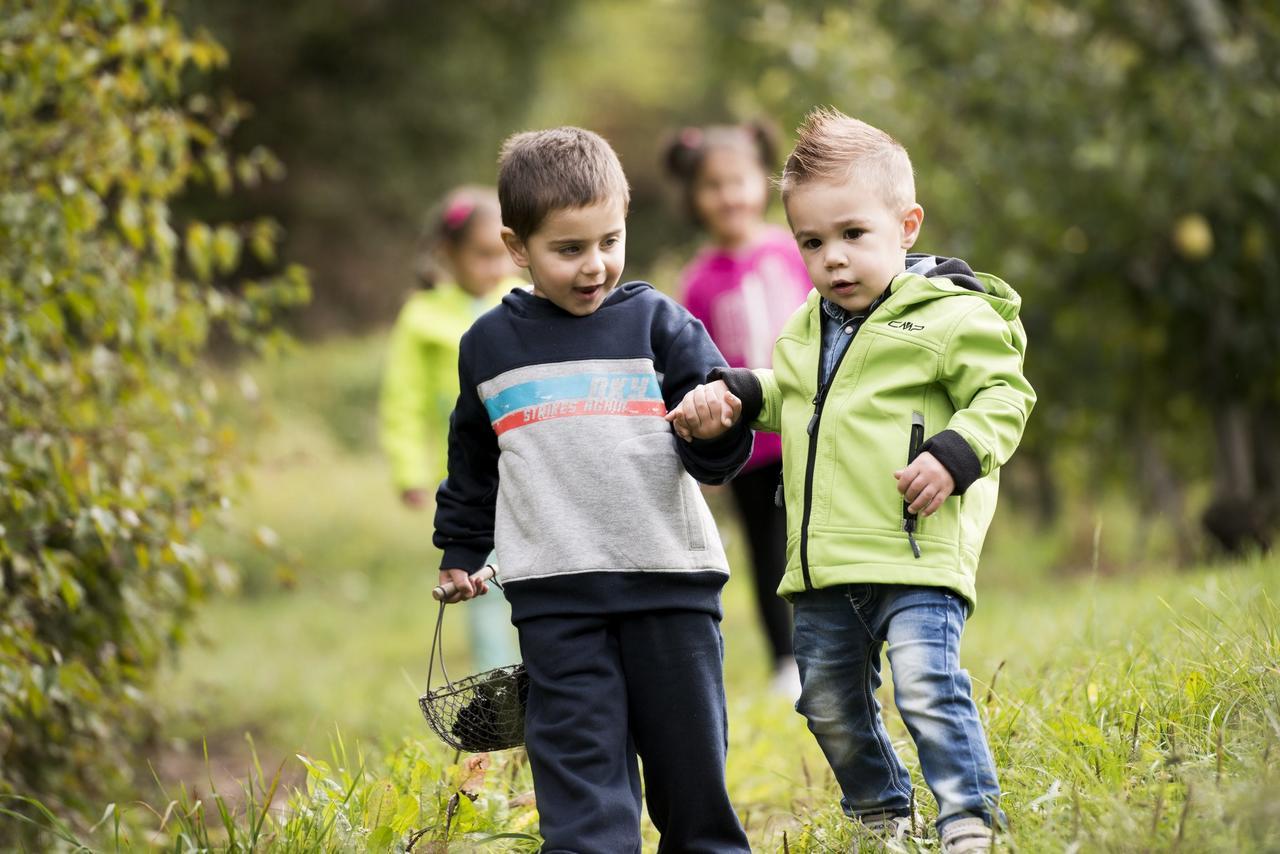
column 956, row 457
column 745, row 386
column 721, row 451
column 463, row 557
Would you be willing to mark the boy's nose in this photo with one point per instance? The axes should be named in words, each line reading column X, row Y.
column 592, row 264
column 835, row 260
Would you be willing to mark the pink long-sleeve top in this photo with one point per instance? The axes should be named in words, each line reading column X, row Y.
column 744, row 297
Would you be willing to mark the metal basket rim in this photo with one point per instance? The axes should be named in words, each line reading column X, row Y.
column 485, row 677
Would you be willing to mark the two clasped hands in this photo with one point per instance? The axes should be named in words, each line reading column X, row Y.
column 709, row 410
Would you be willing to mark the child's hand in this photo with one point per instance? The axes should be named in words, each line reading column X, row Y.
column 464, row 587
column 414, row 499
column 706, row 412
column 925, row 484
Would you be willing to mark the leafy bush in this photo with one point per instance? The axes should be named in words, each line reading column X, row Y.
column 414, row 799
column 109, row 449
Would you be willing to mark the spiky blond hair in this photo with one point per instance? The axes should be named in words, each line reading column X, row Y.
column 833, row 146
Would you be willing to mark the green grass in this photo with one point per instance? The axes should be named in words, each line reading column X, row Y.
column 1127, row 712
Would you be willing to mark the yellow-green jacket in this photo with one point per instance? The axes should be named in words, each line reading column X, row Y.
column 420, row 380
column 931, row 348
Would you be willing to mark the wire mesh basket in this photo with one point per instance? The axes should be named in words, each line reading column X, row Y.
column 480, row 713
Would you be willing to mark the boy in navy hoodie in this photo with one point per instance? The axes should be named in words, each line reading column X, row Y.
column 560, row 456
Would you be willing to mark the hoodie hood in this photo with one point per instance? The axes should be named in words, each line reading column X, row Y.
column 933, row 276
column 936, row 266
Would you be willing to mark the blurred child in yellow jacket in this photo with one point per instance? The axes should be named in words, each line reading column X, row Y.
column 465, row 270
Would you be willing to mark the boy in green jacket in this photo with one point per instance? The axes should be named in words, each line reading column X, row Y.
column 889, row 349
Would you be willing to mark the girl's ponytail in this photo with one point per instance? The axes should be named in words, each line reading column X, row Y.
column 682, row 155
column 765, row 135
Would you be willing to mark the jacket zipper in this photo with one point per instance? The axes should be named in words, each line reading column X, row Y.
column 909, row 519
column 819, row 400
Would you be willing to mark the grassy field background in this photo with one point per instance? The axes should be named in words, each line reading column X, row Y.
column 1129, row 709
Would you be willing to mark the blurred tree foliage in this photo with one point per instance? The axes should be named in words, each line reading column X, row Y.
column 378, row 107
column 1115, row 163
column 109, row 450
column 1118, row 164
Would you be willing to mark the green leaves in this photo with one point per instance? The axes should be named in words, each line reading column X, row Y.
column 111, row 452
column 199, row 244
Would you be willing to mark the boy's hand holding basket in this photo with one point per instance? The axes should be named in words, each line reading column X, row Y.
column 483, row 712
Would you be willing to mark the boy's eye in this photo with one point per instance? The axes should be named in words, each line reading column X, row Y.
column 853, row 233
column 811, row 243
column 569, row 250
column 610, row 241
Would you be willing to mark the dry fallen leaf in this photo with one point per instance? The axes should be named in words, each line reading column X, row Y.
column 474, row 767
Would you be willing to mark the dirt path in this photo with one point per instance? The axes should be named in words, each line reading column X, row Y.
column 229, row 772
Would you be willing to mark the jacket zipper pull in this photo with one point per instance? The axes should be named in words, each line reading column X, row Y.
column 909, row 519
column 909, row 525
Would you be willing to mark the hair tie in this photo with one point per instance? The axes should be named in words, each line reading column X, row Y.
column 691, row 137
column 456, row 214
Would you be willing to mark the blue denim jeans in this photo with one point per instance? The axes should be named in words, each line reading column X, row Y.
column 839, row 632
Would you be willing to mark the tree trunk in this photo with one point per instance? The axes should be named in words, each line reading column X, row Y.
column 1162, row 492
column 1048, row 499
column 1239, row 518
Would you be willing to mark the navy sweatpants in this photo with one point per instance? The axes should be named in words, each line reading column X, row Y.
column 606, row 688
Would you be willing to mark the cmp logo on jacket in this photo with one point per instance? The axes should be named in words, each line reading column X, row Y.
column 537, row 393
column 906, row 325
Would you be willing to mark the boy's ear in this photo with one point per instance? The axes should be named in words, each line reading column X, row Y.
column 911, row 222
column 515, row 248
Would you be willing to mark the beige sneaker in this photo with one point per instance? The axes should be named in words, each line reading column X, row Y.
column 965, row 835
column 891, row 827
column 786, row 679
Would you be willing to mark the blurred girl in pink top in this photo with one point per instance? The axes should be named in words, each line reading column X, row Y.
column 743, row 285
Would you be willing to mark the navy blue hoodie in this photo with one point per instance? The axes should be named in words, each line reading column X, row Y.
column 559, row 455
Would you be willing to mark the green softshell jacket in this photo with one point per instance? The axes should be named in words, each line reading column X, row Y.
column 934, row 348
column 420, row 380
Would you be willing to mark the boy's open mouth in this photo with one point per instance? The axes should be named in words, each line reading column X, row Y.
column 842, row 287
column 588, row 292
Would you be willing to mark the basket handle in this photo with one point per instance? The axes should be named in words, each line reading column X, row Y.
column 440, row 594
column 444, row 591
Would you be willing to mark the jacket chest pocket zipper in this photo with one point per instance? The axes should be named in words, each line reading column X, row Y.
column 909, row 519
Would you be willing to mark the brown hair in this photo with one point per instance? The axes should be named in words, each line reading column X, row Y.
column 448, row 226
column 687, row 150
column 832, row 145
column 549, row 170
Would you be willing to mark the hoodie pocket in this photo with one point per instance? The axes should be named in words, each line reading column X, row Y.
column 660, row 500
